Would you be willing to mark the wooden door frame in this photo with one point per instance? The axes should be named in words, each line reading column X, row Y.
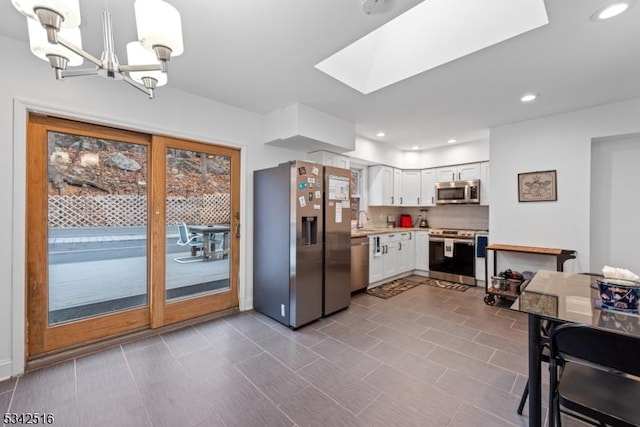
column 42, row 339
column 165, row 313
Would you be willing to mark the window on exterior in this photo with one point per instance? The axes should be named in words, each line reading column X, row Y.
column 356, row 182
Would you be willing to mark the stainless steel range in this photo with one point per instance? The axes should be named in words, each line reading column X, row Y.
column 452, row 255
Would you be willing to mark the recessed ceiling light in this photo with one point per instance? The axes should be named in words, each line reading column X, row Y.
column 381, row 134
column 610, row 11
column 415, row 147
column 451, row 141
column 529, row 97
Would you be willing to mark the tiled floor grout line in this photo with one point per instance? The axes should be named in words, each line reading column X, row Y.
column 135, row 383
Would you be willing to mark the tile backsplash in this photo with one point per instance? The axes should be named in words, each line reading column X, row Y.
column 472, row 217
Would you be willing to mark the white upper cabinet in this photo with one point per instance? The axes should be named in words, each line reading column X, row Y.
column 397, row 187
column 470, row 171
column 329, row 159
column 446, row 174
column 410, row 188
column 385, row 186
column 484, row 183
column 428, row 187
column 380, row 185
column 459, row 172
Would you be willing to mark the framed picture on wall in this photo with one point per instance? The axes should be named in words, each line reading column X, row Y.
column 538, row 186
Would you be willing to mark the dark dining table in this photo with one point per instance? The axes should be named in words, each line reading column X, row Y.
column 209, row 230
column 564, row 298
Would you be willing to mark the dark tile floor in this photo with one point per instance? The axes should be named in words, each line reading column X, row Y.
column 426, row 357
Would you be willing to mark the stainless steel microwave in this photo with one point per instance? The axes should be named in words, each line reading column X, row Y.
column 458, row 192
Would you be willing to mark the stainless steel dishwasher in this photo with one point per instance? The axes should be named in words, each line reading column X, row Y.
column 359, row 263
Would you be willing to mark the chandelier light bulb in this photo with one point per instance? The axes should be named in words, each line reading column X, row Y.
column 41, row 47
column 159, row 24
column 69, row 10
column 138, row 55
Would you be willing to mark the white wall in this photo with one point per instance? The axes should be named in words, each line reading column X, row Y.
column 455, row 154
column 561, row 142
column 29, row 84
column 373, row 152
column 615, row 203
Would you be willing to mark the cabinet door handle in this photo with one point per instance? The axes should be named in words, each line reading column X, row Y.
column 400, row 200
column 453, row 176
column 418, row 200
column 431, row 199
column 392, row 201
column 399, row 246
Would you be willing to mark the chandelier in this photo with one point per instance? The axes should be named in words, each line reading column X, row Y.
column 54, row 36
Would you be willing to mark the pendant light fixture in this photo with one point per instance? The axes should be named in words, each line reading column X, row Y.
column 54, row 36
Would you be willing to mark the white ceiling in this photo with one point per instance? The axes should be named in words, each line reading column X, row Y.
column 260, row 56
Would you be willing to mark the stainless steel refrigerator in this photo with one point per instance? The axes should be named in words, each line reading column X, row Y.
column 300, row 272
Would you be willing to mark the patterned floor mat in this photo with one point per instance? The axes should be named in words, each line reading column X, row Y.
column 392, row 289
column 444, row 284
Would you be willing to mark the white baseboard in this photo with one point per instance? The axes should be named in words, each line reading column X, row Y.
column 246, row 305
column 5, row 369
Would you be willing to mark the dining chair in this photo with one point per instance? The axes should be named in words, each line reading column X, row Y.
column 545, row 330
column 594, row 374
column 547, row 326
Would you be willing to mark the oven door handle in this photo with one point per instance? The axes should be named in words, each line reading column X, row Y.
column 463, row 241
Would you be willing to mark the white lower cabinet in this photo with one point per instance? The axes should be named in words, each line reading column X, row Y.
column 406, row 261
column 422, row 250
column 390, row 259
column 376, row 267
column 391, row 254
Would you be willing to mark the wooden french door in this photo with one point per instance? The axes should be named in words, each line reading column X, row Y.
column 104, row 252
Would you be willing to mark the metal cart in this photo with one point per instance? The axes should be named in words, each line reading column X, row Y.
column 511, row 292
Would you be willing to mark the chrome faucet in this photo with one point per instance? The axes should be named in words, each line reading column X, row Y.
column 359, row 223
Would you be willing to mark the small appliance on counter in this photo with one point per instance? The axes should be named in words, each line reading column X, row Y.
column 391, row 221
column 423, row 219
column 405, row 221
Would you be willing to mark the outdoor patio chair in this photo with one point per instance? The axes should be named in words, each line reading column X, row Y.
column 194, row 241
column 217, row 245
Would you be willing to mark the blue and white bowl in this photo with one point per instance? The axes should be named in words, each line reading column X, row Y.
column 620, row 295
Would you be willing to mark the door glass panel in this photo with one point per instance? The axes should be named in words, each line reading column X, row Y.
column 198, row 214
column 97, row 226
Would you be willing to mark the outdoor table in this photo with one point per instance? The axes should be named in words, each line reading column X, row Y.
column 565, row 298
column 207, row 231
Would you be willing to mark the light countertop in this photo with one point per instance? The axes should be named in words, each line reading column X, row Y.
column 363, row 232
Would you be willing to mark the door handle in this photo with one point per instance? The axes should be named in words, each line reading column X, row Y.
column 238, row 230
column 418, row 200
column 392, row 201
column 399, row 246
column 400, row 200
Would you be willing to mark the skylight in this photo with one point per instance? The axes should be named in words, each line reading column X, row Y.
column 430, row 34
